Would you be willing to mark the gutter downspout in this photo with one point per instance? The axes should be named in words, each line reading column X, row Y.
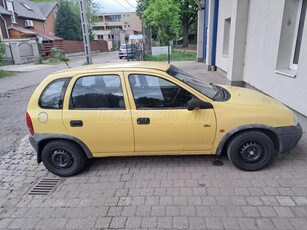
column 5, row 25
column 205, row 7
column 214, row 34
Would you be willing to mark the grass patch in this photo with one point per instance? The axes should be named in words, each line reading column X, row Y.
column 5, row 73
column 175, row 56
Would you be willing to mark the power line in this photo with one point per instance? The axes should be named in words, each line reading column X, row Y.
column 129, row 4
column 121, row 5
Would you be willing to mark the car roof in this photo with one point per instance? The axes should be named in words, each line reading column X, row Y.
column 119, row 66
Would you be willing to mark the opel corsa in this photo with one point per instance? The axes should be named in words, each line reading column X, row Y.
column 147, row 108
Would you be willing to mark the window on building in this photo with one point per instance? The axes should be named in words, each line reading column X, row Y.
column 113, row 18
column 227, row 25
column 27, row 6
column 298, row 34
column 291, row 37
column 10, row 8
column 97, row 28
column 98, row 92
column 100, row 37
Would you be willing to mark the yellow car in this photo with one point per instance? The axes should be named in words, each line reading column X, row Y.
column 147, row 108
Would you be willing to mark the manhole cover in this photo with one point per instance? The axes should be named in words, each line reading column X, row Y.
column 44, row 186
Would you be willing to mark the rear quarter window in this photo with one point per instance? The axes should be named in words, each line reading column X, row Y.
column 53, row 94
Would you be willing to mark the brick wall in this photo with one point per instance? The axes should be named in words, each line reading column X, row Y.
column 77, row 46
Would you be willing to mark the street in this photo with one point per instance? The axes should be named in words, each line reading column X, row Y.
column 165, row 192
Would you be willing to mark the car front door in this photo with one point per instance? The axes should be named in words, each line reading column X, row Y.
column 97, row 111
column 161, row 121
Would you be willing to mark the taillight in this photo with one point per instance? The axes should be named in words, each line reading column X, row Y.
column 29, row 124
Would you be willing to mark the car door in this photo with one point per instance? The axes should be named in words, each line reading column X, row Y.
column 97, row 111
column 160, row 117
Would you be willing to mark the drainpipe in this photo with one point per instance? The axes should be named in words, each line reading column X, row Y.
column 5, row 25
column 214, row 34
column 205, row 32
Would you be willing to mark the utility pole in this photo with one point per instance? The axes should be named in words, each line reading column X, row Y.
column 86, row 39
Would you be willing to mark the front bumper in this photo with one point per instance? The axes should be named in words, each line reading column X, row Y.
column 288, row 137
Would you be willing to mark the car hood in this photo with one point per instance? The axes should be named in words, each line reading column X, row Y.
column 249, row 97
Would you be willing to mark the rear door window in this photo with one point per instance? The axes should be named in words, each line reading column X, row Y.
column 98, row 92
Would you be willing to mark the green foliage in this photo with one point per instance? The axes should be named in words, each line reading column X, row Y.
column 175, row 56
column 68, row 22
column 2, row 50
column 5, row 73
column 58, row 54
column 162, row 16
column 38, row 60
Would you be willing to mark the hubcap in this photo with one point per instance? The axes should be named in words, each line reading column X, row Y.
column 251, row 152
column 61, row 158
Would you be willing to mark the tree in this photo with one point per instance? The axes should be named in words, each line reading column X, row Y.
column 188, row 16
column 68, row 22
column 162, row 16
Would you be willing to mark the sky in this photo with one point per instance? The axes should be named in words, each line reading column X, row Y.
column 111, row 6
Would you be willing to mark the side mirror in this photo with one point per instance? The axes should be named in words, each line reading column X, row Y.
column 195, row 103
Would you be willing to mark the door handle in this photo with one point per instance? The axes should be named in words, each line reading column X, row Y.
column 143, row 121
column 76, row 123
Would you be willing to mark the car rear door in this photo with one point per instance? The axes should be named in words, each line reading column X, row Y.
column 97, row 111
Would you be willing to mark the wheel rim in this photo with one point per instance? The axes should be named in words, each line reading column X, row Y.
column 251, row 152
column 61, row 159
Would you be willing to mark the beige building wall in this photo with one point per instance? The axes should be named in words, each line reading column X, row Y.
column 125, row 22
column 50, row 22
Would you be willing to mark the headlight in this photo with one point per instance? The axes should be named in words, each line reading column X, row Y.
column 295, row 120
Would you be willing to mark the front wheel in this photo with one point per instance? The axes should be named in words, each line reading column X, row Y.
column 63, row 158
column 250, row 151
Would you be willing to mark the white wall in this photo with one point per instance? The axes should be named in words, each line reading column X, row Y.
column 225, row 11
column 261, row 56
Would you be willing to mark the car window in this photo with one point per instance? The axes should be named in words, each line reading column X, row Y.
column 151, row 92
column 97, row 92
column 52, row 96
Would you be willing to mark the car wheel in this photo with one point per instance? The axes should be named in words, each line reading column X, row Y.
column 63, row 158
column 250, row 151
column 120, row 57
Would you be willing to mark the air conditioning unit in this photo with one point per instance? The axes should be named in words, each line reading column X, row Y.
column 28, row 23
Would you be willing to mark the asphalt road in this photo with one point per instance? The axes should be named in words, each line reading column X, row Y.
column 15, row 92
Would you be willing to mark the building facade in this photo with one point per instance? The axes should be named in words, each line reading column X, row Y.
column 262, row 43
column 19, row 15
column 113, row 27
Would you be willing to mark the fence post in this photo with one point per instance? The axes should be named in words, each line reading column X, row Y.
column 15, row 53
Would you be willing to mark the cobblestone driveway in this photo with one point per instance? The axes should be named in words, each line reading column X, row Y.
column 180, row 192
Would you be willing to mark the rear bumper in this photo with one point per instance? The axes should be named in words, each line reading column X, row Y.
column 35, row 145
column 288, row 137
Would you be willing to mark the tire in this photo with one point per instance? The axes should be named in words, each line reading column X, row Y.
column 120, row 57
column 250, row 151
column 63, row 158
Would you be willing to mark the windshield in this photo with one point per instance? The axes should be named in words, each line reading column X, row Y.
column 202, row 87
column 124, row 46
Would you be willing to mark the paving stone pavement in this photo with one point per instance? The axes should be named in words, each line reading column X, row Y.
column 167, row 192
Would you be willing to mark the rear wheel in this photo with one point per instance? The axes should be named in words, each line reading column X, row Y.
column 63, row 158
column 250, row 150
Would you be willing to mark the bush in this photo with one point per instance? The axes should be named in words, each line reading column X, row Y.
column 58, row 55
column 38, row 60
